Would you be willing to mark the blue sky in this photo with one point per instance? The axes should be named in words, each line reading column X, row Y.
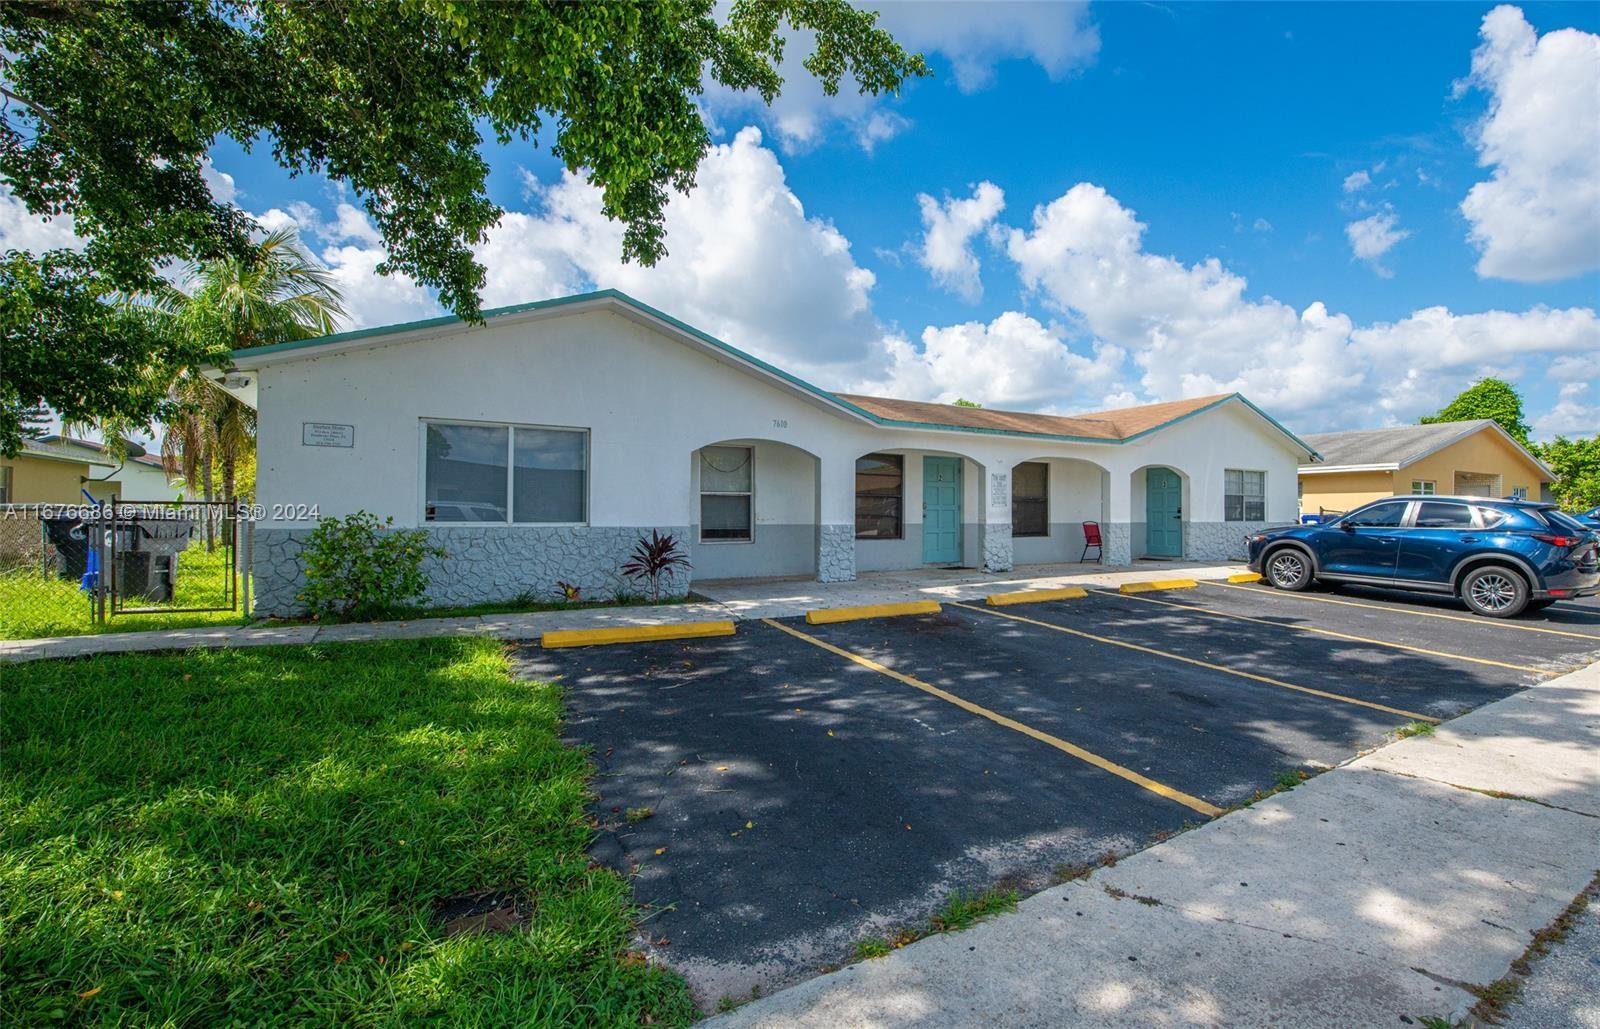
column 1347, row 212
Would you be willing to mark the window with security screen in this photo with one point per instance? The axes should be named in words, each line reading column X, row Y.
column 1030, row 499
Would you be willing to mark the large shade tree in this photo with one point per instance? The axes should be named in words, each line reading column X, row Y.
column 110, row 108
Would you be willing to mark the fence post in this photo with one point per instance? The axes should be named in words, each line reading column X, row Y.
column 246, row 559
column 102, row 542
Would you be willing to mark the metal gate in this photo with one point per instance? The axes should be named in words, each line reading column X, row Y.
column 170, row 557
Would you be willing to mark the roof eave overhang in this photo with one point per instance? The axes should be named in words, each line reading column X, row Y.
column 1332, row 469
column 255, row 358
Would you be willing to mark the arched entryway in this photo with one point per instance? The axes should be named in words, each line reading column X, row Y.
column 1051, row 499
column 754, row 504
column 918, row 508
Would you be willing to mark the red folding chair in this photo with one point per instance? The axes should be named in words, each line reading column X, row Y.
column 1091, row 538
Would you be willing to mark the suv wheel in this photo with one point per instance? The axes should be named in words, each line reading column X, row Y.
column 1287, row 568
column 1495, row 591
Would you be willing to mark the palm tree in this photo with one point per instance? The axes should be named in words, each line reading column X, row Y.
column 276, row 293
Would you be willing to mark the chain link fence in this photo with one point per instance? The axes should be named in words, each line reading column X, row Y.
column 73, row 569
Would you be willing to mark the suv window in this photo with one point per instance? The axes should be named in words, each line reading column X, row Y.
column 1433, row 515
column 1378, row 516
column 1490, row 517
column 1563, row 521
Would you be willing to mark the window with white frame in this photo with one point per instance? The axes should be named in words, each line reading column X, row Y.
column 1244, row 496
column 512, row 474
column 726, row 514
column 1424, row 487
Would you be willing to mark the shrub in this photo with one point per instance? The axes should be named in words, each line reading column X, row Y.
column 655, row 558
column 358, row 567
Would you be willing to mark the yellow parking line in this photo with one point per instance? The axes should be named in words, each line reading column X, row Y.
column 1497, row 623
column 1193, row 803
column 1205, row 664
column 1346, row 636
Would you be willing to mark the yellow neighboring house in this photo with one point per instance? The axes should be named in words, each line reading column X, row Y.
column 56, row 470
column 1476, row 458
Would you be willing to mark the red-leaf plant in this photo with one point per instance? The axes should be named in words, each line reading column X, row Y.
column 654, row 558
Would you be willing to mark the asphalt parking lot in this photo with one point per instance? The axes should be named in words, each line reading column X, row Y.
column 811, row 785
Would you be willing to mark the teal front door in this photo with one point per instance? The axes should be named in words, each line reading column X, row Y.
column 941, row 510
column 1163, row 513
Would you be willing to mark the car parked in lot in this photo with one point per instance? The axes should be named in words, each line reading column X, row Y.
column 1500, row 557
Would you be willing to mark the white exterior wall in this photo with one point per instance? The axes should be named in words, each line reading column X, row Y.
column 649, row 402
column 144, row 482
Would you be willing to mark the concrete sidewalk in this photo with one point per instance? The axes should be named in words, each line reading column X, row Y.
column 1390, row 886
column 729, row 599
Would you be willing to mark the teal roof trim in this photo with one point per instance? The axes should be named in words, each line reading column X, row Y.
column 732, row 351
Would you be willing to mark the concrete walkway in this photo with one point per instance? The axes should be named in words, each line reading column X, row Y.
column 736, row 599
column 1387, row 887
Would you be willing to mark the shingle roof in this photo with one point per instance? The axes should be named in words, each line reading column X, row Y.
column 1113, row 425
column 1398, row 446
column 57, row 449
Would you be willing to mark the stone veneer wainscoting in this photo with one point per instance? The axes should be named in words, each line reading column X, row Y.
column 483, row 564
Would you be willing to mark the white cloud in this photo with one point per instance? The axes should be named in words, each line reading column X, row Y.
column 801, row 116
column 1575, row 414
column 352, row 252
column 1191, row 330
column 879, row 126
column 948, row 229
column 974, row 36
column 1357, row 181
column 1372, row 237
column 1011, row 362
column 219, row 182
column 21, row 229
column 1577, row 411
column 977, row 36
column 1537, row 218
column 744, row 263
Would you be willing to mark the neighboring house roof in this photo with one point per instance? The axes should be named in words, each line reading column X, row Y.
column 134, row 450
column 1376, row 450
column 1119, row 426
column 56, row 448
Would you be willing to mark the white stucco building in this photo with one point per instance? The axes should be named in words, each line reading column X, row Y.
column 540, row 445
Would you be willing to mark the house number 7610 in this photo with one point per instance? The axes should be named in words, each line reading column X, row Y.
column 780, row 423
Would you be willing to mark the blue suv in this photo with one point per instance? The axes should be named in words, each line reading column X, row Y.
column 1500, row 557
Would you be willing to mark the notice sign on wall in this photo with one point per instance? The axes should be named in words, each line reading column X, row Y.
column 327, row 434
column 999, row 493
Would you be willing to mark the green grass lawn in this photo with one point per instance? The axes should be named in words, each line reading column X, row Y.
column 33, row 605
column 262, row 835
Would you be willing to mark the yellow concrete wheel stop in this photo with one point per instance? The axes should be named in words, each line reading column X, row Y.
column 1036, row 596
column 558, row 638
column 1157, row 584
column 827, row 615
